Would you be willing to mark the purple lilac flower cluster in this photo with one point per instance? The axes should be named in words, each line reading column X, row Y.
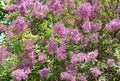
column 20, row 74
column 42, row 57
column 61, row 55
column 78, row 58
column 39, row 10
column 67, row 76
column 24, row 5
column 59, row 29
column 29, row 53
column 75, row 35
column 95, row 71
column 110, row 62
column 82, row 78
column 114, row 24
column 10, row 8
column 44, row 72
column 3, row 54
column 91, row 55
column 52, row 46
column 20, row 25
column 55, row 6
column 85, row 10
column 90, row 26
column 70, row 73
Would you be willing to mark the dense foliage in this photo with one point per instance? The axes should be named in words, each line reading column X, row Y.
column 60, row 40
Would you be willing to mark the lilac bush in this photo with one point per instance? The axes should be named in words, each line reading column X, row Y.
column 60, row 40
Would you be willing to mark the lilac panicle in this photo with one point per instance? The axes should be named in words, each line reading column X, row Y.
column 28, row 44
column 42, row 57
column 67, row 76
column 80, row 57
column 95, row 71
column 90, row 26
column 91, row 56
column 61, row 53
column 39, row 10
column 24, row 5
column 20, row 74
column 44, row 72
column 71, row 69
column 28, row 58
column 29, row 54
column 87, row 26
column 76, row 36
column 27, row 3
column 55, row 6
column 20, row 25
column 64, row 42
column 3, row 54
column 96, row 26
column 23, row 8
column 52, row 46
column 82, row 78
column 10, row 8
column 114, row 24
column 110, row 62
column 85, row 10
column 59, row 29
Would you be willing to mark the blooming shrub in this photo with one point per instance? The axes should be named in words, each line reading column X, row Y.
column 60, row 40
